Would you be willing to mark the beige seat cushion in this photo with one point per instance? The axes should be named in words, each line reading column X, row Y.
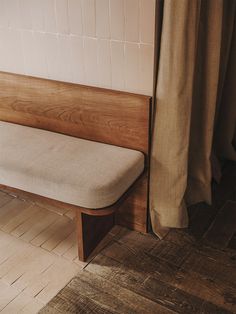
column 68, row 169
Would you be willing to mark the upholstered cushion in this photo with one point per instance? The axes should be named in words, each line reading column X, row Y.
column 68, row 169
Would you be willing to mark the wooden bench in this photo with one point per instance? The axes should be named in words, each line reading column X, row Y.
column 77, row 146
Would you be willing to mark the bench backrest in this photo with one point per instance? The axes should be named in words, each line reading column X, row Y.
column 97, row 114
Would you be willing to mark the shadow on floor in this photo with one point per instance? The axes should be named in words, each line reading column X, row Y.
column 190, row 271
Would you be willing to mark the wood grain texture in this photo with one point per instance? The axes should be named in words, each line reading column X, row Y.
column 133, row 213
column 223, row 227
column 96, row 114
column 180, row 274
column 90, row 231
column 77, row 298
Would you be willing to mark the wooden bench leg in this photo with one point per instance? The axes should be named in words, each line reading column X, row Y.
column 91, row 230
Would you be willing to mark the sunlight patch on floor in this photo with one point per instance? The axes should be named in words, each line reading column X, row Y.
column 38, row 252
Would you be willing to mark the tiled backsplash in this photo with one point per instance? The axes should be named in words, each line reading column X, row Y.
column 105, row 43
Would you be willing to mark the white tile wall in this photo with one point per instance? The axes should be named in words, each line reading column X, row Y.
column 132, row 31
column 106, row 43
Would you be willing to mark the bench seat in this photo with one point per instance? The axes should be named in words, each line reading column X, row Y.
column 72, row 170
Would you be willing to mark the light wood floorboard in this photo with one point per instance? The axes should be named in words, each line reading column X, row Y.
column 38, row 252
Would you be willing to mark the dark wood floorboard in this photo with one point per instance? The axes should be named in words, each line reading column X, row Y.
column 223, row 226
column 191, row 271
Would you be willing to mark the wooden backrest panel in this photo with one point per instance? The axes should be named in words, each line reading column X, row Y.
column 96, row 114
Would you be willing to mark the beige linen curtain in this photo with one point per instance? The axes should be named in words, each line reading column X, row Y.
column 195, row 107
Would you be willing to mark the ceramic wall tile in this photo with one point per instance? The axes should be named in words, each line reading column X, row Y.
column 118, row 65
column 75, row 17
column 102, row 19
column 104, row 63
column 62, row 16
column 91, row 61
column 132, row 79
column 25, row 14
column 50, row 42
column 132, row 20
column 104, row 43
column 11, row 59
column 34, row 54
column 49, row 11
column 117, row 18
column 146, row 60
column 77, row 59
column 3, row 15
column 37, row 15
column 147, row 21
column 89, row 18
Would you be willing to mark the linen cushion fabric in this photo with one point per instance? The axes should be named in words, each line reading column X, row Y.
column 72, row 170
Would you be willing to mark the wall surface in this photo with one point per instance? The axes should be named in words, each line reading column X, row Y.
column 106, row 43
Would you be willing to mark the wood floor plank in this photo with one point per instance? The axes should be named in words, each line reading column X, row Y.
column 135, row 240
column 19, row 256
column 17, row 220
column 223, row 257
column 48, row 309
column 171, row 252
column 40, row 226
column 150, row 285
column 207, row 279
column 183, row 237
column 223, row 227
column 223, row 191
column 11, row 209
column 200, row 222
column 73, row 303
column 140, row 262
column 48, row 283
column 72, row 253
column 109, row 296
column 27, row 267
column 66, row 244
column 61, row 232
column 42, row 219
column 9, row 247
column 36, row 262
column 203, row 213
column 180, row 237
column 32, row 307
column 20, row 267
column 180, row 300
column 7, row 294
column 232, row 243
column 4, row 198
column 17, row 304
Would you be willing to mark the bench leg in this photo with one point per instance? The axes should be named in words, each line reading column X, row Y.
column 91, row 230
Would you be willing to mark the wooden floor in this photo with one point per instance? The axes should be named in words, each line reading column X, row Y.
column 191, row 271
column 38, row 252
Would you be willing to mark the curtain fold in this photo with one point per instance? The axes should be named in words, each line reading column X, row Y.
column 194, row 96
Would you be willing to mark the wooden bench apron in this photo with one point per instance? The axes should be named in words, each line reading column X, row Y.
column 32, row 106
